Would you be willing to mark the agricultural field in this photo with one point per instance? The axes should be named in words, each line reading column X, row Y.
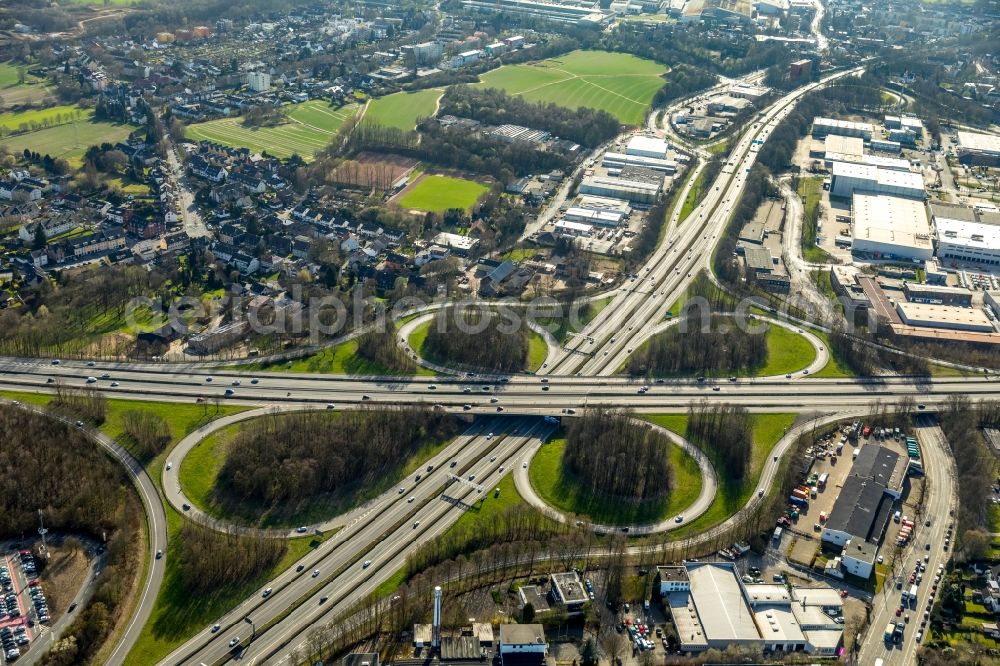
column 402, row 110
column 68, row 141
column 35, row 119
column 12, row 93
column 309, row 128
column 621, row 84
column 437, row 193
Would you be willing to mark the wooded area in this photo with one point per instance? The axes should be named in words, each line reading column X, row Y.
column 476, row 338
column 146, row 433
column 295, row 457
column 725, row 433
column 380, row 347
column 693, row 347
column 212, row 560
column 961, row 420
column 492, row 106
column 618, row 457
column 46, row 464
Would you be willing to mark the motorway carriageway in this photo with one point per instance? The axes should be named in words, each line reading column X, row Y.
column 385, row 538
column 662, row 281
column 520, row 394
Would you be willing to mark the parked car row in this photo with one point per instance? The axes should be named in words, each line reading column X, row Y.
column 11, row 639
column 38, row 599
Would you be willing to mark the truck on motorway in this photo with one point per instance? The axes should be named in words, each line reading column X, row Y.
column 890, row 630
column 879, row 662
column 913, row 596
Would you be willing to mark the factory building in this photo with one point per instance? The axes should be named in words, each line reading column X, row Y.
column 886, row 146
column 635, row 191
column 713, row 609
column 944, row 316
column 620, row 160
column 964, row 234
column 851, row 150
column 824, row 126
column 890, row 226
column 647, row 146
column 937, row 294
column 849, row 177
column 583, row 13
column 978, row 149
column 604, row 218
column 908, row 123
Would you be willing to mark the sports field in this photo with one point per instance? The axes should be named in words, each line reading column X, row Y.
column 309, row 128
column 621, row 84
column 68, row 141
column 403, row 109
column 437, row 193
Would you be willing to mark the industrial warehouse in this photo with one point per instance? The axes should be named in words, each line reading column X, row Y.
column 713, row 608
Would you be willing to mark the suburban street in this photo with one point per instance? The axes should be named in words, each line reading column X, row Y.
column 939, row 505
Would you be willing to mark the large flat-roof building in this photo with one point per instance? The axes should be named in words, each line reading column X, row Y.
column 944, row 316
column 978, row 148
column 823, row 126
column 849, row 177
column 620, row 188
column 712, row 608
column 584, row 13
column 646, row 146
column 964, row 234
column 614, row 160
column 522, row 645
column 890, row 226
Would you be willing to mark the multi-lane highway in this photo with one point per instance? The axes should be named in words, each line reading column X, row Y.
column 364, row 553
column 604, row 344
column 490, row 395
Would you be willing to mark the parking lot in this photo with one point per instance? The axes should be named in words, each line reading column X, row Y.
column 23, row 607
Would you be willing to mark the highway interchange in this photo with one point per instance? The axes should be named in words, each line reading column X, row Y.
column 375, row 540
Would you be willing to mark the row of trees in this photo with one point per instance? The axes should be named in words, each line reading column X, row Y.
column 961, row 420
column 379, row 346
column 868, row 360
column 211, row 560
column 725, row 432
column 455, row 148
column 618, row 457
column 492, row 106
column 291, row 458
column 476, row 338
column 146, row 433
column 49, row 465
column 701, row 345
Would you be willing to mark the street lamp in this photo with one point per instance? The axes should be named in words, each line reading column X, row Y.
column 253, row 627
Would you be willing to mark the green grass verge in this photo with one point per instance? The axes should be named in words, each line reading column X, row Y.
column 811, row 192
column 694, row 195
column 835, row 367
column 560, row 489
column 403, row 110
column 767, row 430
column 787, row 352
column 537, row 351
column 561, row 328
column 438, row 193
column 24, row 121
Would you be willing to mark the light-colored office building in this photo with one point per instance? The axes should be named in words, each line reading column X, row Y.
column 849, row 178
